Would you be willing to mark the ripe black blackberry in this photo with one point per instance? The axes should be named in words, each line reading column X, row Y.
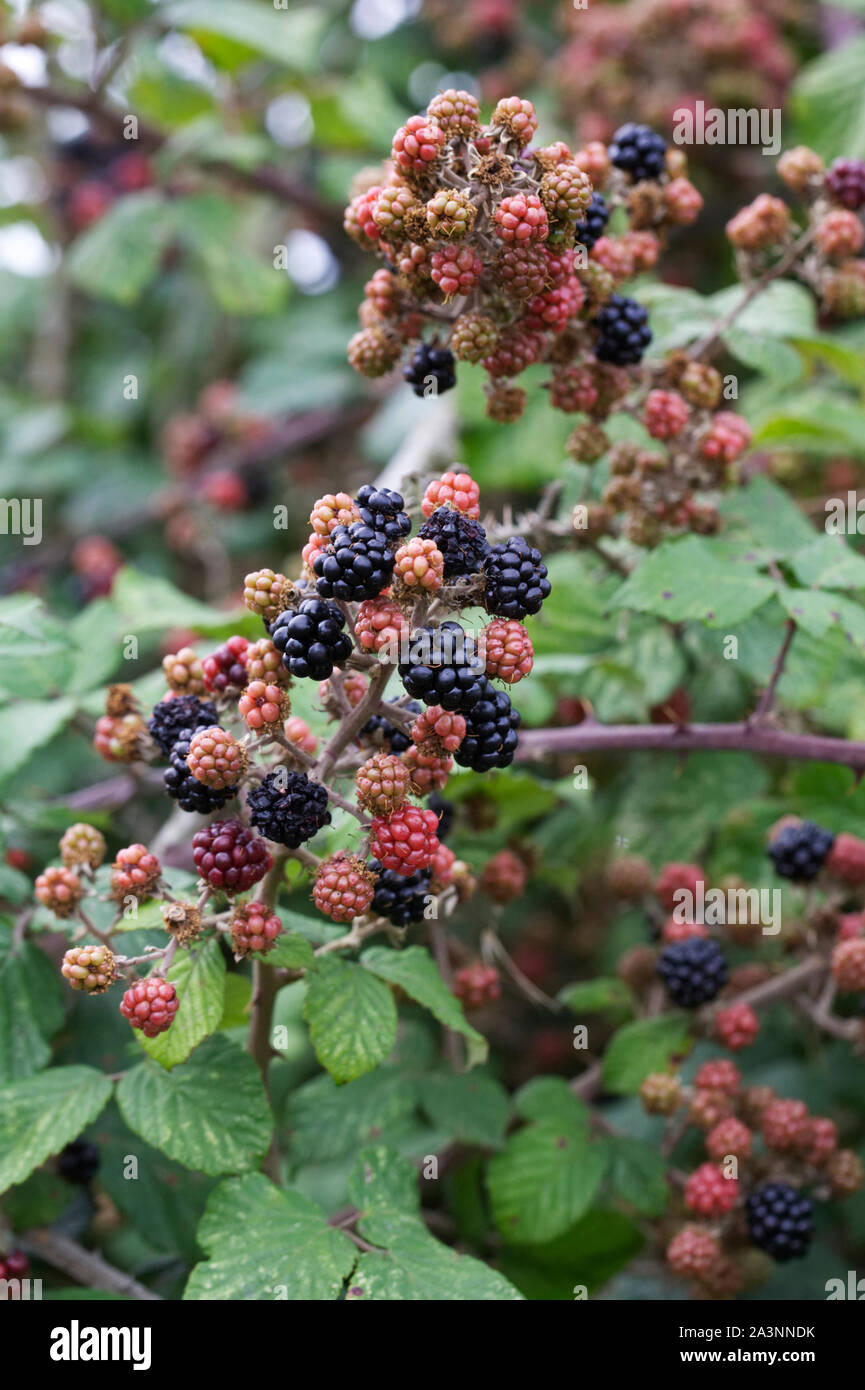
column 399, row 898
column 384, row 510
column 311, row 638
column 78, row 1161
column 444, row 668
column 445, row 811
column 591, row 226
column 780, row 1221
column 799, row 852
column 381, row 734
column 639, row 151
column 186, row 790
column 516, row 579
column 491, row 731
column 693, row 971
column 356, row 565
column 462, row 542
column 624, row 332
column 171, row 718
column 288, row 808
column 431, row 371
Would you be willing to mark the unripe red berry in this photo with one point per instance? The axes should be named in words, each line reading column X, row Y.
column 845, row 1172
column 215, row 758
column 383, row 784
column 417, row 145
column 452, row 489
column 761, row 224
column 709, row 1193
column 800, row 168
column 224, row 670
column 848, row 965
column 456, row 113
column 840, row 234
column 264, row 663
column 150, row 1005
column 263, row 707
column 230, row 857
column 59, row 889
column 707, row 1108
column 521, row 218
column 477, row 985
column 629, row 877
column 822, row 1140
column 661, row 1093
column 332, row 510
column 379, row 625
column 134, row 873
column 719, row 1074
column 517, row 118
column 183, row 672
column 405, row 841
column 785, row 1125
column 455, row 270
column 254, row 927
column 418, row 565
column 297, row 731
column 693, row 1252
column 846, row 859
column 343, row 888
column 683, row 203
column 438, row 731
column 665, row 414
column 82, row 844
column 729, row 1137
column 736, row 1027
column 504, row 877
column 429, row 771
column 118, row 738
column 676, row 878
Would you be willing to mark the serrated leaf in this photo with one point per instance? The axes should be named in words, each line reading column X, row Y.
column 638, row 1175
column 210, row 1113
column 146, row 603
column 472, row 1108
column 543, row 1181
column 26, row 726
column 550, row 1098
column 31, row 1008
column 412, row 1265
column 819, row 610
column 240, row 282
column 829, row 563
column 828, row 101
column 265, row 1243
column 291, row 951
column 42, row 1114
column 415, row 971
column 117, row 256
column 687, row 579
column 198, row 975
column 588, row 1254
column 352, row 1018
column 643, row 1047
column 770, row 518
column 290, row 37
column 327, row 1121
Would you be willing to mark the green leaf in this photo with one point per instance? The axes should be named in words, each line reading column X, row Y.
column 829, row 563
column 819, row 610
column 638, row 1175
column 117, row 256
column 146, row 603
column 266, row 1243
column 412, row 1265
column 643, row 1047
column 472, row 1108
column 327, row 1121
column 551, row 1098
column 596, row 996
column 26, row 726
column 31, row 1008
column 828, row 101
column 688, row 579
column 210, row 1113
column 544, row 1180
column 292, row 952
column 769, row 516
column 290, row 37
column 589, row 1254
column 352, row 1018
column 415, row 971
column 42, row 1114
column 240, row 282
column 198, row 975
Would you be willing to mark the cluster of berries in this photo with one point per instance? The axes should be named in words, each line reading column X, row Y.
column 695, row 926
column 371, row 602
column 504, row 247
column 91, row 174
column 198, row 445
column 764, row 1155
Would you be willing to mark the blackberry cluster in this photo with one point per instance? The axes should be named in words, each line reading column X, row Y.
column 380, row 732
column 462, row 542
column 184, row 714
column 291, row 813
column 516, row 579
column 383, row 510
column 186, row 790
column 780, row 1220
column 311, row 638
column 444, row 669
column 593, row 222
column 430, row 365
column 639, row 151
column 491, row 731
column 78, row 1161
column 398, row 898
column 800, row 851
column 624, row 331
column 356, row 565
column 693, row 971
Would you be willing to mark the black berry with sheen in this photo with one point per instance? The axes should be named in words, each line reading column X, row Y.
column 639, row 151
column 799, row 852
column 171, row 718
column 780, row 1221
column 78, row 1161
column 431, row 371
column 356, row 565
column 311, row 638
column 694, row 971
column 399, row 898
column 384, row 510
column 382, row 734
column 491, row 731
column 288, row 808
column 462, row 541
column 624, row 332
column 593, row 222
column 444, row 668
column 186, row 790
column 516, row 579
